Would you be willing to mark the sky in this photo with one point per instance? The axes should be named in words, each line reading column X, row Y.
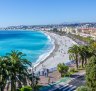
column 38, row 12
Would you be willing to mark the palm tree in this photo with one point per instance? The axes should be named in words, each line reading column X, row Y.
column 89, row 52
column 83, row 52
column 34, row 81
column 3, row 73
column 17, row 68
column 74, row 54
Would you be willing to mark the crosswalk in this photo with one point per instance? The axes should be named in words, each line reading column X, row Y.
column 66, row 87
column 73, row 88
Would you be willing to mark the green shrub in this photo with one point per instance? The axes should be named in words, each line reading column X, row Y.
column 72, row 70
column 26, row 88
column 67, row 74
column 63, row 69
column 82, row 88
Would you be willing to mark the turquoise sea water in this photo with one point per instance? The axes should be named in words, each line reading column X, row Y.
column 32, row 43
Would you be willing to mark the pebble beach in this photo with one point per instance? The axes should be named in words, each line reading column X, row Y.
column 59, row 54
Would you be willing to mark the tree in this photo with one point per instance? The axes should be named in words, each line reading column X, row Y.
column 17, row 68
column 34, row 81
column 83, row 88
column 91, row 73
column 3, row 73
column 85, row 52
column 82, row 54
column 74, row 54
column 13, row 70
column 62, row 68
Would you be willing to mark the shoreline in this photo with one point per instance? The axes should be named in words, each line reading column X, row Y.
column 45, row 55
column 59, row 54
column 51, row 51
column 54, row 49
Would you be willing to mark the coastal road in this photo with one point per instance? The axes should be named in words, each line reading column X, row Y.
column 71, row 86
column 78, row 79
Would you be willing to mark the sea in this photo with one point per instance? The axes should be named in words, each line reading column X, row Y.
column 35, row 44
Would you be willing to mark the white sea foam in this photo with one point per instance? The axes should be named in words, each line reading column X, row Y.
column 46, row 54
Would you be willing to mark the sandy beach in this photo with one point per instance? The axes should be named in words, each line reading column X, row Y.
column 59, row 54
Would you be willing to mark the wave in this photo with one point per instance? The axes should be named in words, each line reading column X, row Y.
column 47, row 53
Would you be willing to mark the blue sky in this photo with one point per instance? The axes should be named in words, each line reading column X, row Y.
column 31, row 12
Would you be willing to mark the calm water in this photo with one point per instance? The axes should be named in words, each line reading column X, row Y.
column 32, row 43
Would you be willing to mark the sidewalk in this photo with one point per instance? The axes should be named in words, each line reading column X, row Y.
column 63, row 81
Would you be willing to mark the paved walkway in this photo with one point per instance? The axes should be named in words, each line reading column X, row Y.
column 56, row 85
column 66, row 83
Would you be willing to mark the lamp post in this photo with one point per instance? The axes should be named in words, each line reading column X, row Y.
column 43, row 67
